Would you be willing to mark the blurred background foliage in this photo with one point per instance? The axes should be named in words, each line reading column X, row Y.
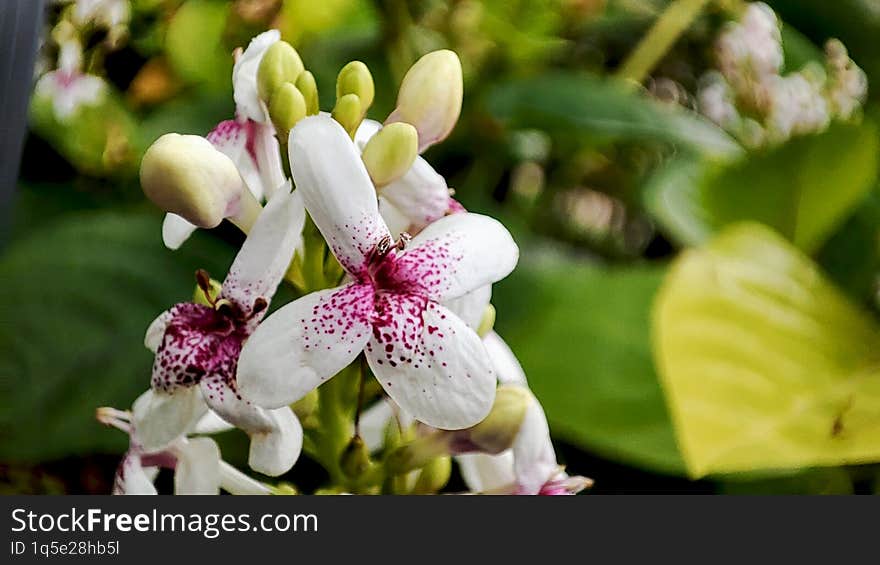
column 695, row 315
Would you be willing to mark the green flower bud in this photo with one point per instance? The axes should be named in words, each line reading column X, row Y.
column 355, row 78
column 487, row 322
column 348, row 113
column 280, row 64
column 433, row 476
column 305, row 406
column 499, row 429
column 356, row 458
column 430, row 97
column 286, row 107
column 309, row 89
column 188, row 176
column 420, row 452
column 391, row 152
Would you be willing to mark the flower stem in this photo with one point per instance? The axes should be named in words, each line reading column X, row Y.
column 677, row 17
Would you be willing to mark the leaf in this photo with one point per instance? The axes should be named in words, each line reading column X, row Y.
column 804, row 189
column 194, row 43
column 75, row 300
column 604, row 109
column 764, row 363
column 581, row 333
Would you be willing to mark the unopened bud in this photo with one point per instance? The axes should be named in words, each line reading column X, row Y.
column 280, row 64
column 487, row 322
column 186, row 175
column 499, row 429
column 433, row 476
column 391, row 152
column 430, row 97
column 305, row 406
column 286, row 107
column 309, row 88
column 420, row 452
column 355, row 78
column 356, row 458
column 348, row 113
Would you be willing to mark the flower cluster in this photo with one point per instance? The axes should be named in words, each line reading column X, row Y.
column 386, row 366
column 749, row 96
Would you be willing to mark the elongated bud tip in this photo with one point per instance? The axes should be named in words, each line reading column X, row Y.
column 348, row 113
column 309, row 88
column 355, row 78
column 286, row 107
column 356, row 458
column 186, row 175
column 391, row 152
column 499, row 429
column 433, row 476
column 280, row 64
column 430, row 97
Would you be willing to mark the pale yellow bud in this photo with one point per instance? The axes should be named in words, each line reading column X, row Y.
column 391, row 152
column 348, row 113
column 499, row 429
column 280, row 64
column 433, row 476
column 186, row 175
column 430, row 97
column 309, row 89
column 487, row 322
column 286, row 107
column 355, row 78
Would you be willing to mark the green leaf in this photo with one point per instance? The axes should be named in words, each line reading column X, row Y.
column 804, row 189
column 826, row 480
column 764, row 363
column 75, row 300
column 605, row 110
column 194, row 43
column 581, row 333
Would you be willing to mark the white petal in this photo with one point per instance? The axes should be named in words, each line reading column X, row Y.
column 507, row 367
column 484, row 473
column 161, row 417
column 230, row 137
column 458, row 254
column 198, row 467
column 131, row 477
column 234, row 481
column 244, row 76
column 421, row 194
column 396, row 221
column 471, row 307
column 266, row 253
column 365, row 132
column 336, row 190
column 211, row 423
column 276, row 435
column 268, row 155
column 373, row 423
column 156, row 331
column 430, row 363
column 305, row 343
column 533, row 453
column 176, row 230
column 87, row 90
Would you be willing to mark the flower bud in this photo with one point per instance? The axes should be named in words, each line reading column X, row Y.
column 499, row 429
column 286, row 107
column 348, row 113
column 433, row 476
column 487, row 322
column 186, row 175
column 309, row 88
column 306, row 406
column 391, row 152
column 419, row 452
column 356, row 458
column 280, row 64
column 355, row 78
column 430, row 97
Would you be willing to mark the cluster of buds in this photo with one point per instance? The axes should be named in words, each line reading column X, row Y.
column 386, row 367
column 750, row 97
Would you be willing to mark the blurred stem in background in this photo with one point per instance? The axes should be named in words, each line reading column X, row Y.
column 677, row 17
column 20, row 23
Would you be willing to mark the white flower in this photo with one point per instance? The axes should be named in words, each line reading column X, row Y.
column 529, row 466
column 197, row 348
column 198, row 468
column 797, row 107
column 107, row 13
column 249, row 139
column 425, row 357
column 67, row 86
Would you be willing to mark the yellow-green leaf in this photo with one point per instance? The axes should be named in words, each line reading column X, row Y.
column 764, row 363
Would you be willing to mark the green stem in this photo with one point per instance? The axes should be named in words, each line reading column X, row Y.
column 677, row 17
